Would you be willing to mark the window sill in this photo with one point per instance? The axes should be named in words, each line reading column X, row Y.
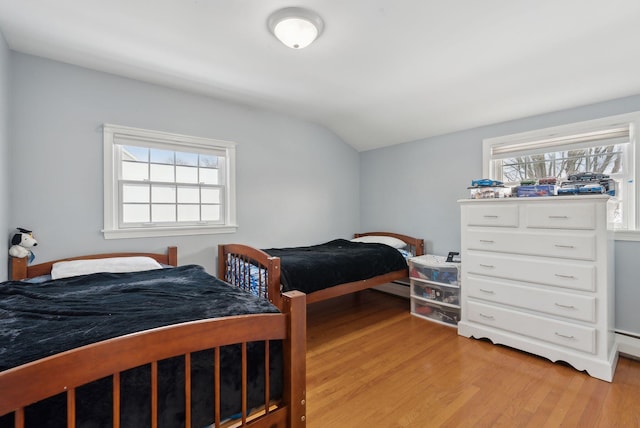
column 166, row 231
column 626, row 235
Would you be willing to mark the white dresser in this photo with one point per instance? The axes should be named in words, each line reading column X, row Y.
column 538, row 276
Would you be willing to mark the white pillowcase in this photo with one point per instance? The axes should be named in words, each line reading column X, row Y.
column 388, row 240
column 111, row 264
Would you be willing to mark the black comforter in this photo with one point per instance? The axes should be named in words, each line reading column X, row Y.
column 37, row 320
column 317, row 267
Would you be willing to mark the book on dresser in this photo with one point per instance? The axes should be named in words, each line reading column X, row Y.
column 538, row 276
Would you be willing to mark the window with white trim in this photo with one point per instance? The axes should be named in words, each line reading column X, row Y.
column 603, row 146
column 163, row 184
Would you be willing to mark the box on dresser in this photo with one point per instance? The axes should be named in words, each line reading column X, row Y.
column 538, row 275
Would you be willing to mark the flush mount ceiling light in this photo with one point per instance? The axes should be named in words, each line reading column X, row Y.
column 296, row 27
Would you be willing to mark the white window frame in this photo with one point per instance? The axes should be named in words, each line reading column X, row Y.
column 177, row 142
column 631, row 231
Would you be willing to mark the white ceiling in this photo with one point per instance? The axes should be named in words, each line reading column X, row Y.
column 382, row 73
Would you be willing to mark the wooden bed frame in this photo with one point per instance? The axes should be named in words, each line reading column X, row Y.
column 32, row 382
column 18, row 268
column 270, row 269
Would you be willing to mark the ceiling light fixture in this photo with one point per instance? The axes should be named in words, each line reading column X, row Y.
column 295, row 27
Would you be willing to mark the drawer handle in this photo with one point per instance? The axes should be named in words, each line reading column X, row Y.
column 486, row 241
column 487, row 266
column 564, row 246
column 564, row 336
column 565, row 306
column 559, row 275
column 559, row 216
column 487, row 291
column 489, row 317
column 490, row 216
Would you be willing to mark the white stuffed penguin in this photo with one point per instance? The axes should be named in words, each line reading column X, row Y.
column 21, row 244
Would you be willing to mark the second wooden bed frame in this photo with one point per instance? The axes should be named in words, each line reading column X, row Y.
column 65, row 372
column 269, row 267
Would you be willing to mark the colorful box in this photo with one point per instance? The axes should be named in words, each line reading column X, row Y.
column 537, row 190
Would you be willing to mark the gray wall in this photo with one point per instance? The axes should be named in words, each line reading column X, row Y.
column 5, row 176
column 297, row 183
column 413, row 188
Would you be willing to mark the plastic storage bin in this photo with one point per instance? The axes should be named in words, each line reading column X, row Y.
column 437, row 313
column 434, row 268
column 435, row 289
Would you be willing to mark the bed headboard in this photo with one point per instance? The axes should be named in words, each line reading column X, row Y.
column 415, row 245
column 18, row 268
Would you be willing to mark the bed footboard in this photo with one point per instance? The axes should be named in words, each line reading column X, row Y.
column 252, row 270
column 65, row 372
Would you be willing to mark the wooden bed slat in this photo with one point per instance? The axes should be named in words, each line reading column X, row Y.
column 154, row 394
column 187, row 390
column 71, row 408
column 267, row 378
column 244, row 382
column 116, row 400
column 19, row 418
column 216, row 389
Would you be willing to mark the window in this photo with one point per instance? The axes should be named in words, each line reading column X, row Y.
column 161, row 184
column 605, row 146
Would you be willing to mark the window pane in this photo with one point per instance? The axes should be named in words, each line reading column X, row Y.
column 606, row 160
column 186, row 174
column 188, row 195
column 163, row 213
column 135, row 193
column 211, row 196
column 209, row 161
column 162, row 173
column 140, row 154
column 188, row 213
column 209, row 176
column 135, row 213
column 162, row 156
column 188, row 159
column 135, row 171
column 211, row 213
column 165, row 194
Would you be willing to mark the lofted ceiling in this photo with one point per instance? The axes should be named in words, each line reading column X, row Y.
column 383, row 72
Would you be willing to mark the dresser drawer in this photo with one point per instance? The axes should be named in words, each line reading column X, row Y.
column 553, row 331
column 537, row 270
column 496, row 215
column 561, row 216
column 566, row 305
column 580, row 247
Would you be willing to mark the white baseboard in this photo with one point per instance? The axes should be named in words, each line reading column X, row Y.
column 628, row 344
column 394, row 288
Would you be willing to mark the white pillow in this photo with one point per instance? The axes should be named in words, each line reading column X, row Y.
column 388, row 240
column 111, row 264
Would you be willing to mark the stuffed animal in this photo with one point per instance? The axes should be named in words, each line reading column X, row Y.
column 21, row 244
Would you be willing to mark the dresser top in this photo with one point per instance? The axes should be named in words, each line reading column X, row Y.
column 537, row 199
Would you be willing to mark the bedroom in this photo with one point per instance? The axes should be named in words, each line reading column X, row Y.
column 50, row 140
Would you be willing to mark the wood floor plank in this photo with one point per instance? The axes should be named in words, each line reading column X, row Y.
column 372, row 364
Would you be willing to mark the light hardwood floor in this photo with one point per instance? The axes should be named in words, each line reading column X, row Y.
column 371, row 364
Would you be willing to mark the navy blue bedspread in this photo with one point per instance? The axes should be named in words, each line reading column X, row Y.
column 37, row 320
column 340, row 261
